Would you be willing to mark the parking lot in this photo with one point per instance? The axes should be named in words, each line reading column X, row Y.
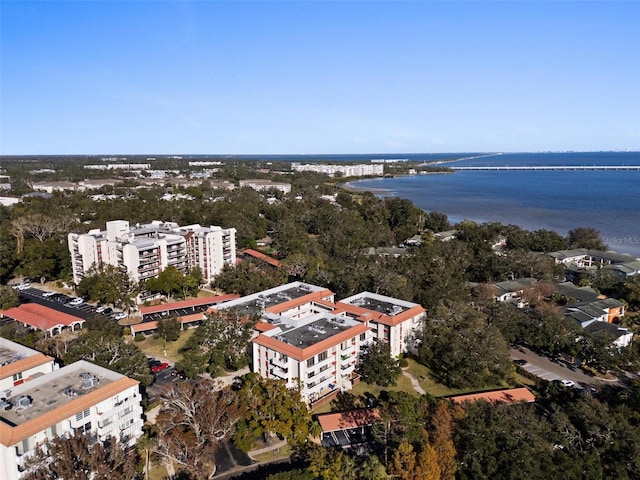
column 551, row 369
column 61, row 303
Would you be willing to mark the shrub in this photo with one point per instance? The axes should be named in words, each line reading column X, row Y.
column 139, row 337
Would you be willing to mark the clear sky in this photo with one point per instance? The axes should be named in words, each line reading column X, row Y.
column 197, row 77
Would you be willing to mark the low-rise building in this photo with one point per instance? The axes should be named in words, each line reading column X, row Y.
column 79, row 398
column 42, row 318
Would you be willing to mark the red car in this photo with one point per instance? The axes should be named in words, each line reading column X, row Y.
column 159, row 368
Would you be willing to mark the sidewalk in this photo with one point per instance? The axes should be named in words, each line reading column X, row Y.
column 414, row 382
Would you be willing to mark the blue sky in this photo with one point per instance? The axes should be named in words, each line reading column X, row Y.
column 318, row 77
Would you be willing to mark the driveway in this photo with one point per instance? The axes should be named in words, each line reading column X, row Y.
column 547, row 369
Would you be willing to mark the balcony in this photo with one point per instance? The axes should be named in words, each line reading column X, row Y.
column 280, row 373
column 279, row 362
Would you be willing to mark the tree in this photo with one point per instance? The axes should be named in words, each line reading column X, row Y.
column 377, row 366
column 403, row 463
column 272, row 409
column 108, row 284
column 221, row 342
column 9, row 297
column 427, row 466
column 79, row 458
column 585, row 237
column 193, row 421
column 168, row 329
column 462, row 348
column 102, row 343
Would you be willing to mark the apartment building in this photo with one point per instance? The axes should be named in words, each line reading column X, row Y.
column 397, row 322
column 260, row 184
column 344, row 170
column 145, row 250
column 307, row 339
column 317, row 353
column 75, row 399
column 19, row 364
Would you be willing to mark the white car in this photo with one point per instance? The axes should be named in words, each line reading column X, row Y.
column 48, row 294
column 22, row 286
column 567, row 383
column 76, row 301
column 119, row 316
column 101, row 308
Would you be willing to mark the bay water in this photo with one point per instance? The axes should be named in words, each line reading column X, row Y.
column 558, row 200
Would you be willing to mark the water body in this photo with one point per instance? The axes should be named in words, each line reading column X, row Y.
column 553, row 200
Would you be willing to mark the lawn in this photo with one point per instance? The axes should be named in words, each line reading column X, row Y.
column 154, row 347
column 426, row 380
column 282, row 452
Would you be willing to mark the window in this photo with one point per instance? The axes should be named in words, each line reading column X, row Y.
column 363, row 337
column 311, row 362
column 323, row 368
column 322, row 356
column 17, row 376
column 344, row 345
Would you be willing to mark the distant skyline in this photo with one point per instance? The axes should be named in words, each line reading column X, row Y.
column 298, row 77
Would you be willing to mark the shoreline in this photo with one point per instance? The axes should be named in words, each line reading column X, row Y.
column 625, row 245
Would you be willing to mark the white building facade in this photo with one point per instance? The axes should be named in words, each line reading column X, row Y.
column 145, row 250
column 345, row 170
column 78, row 398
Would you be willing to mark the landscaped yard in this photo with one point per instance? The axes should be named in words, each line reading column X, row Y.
column 425, row 379
column 155, row 347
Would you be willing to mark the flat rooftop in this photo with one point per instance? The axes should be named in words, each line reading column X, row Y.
column 12, row 352
column 56, row 389
column 313, row 329
column 383, row 306
column 259, row 302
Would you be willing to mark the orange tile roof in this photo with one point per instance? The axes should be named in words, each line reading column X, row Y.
column 193, row 302
column 496, row 397
column 261, row 256
column 24, row 364
column 301, row 354
column 289, row 304
column 330, row 422
column 12, row 435
column 366, row 314
column 40, row 317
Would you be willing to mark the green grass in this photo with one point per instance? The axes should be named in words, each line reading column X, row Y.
column 282, row 452
column 155, row 347
column 427, row 381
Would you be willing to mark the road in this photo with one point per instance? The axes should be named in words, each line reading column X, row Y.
column 550, row 370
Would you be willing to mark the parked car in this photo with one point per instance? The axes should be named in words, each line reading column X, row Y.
column 107, row 311
column 520, row 361
column 101, row 309
column 76, row 301
column 178, row 374
column 159, row 368
column 48, row 294
column 119, row 316
column 22, row 286
column 567, row 383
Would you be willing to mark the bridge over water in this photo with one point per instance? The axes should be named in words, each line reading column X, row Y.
column 554, row 167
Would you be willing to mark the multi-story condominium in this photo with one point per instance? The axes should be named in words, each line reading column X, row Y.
column 313, row 343
column 19, row 364
column 397, row 322
column 259, row 184
column 345, row 170
column 75, row 399
column 145, row 250
column 316, row 354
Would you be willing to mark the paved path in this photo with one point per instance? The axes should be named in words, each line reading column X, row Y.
column 414, row 382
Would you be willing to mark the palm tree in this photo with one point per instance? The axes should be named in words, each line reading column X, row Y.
column 146, row 445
